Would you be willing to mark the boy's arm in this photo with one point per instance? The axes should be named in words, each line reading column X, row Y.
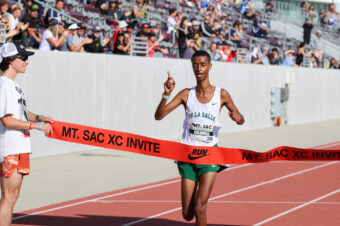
column 234, row 114
column 163, row 109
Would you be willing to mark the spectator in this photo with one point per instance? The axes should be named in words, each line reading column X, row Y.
column 311, row 13
column 314, row 62
column 264, row 54
column 14, row 17
column 26, row 9
column 70, row 44
column 78, row 38
column 153, row 44
column 194, row 33
column 145, row 29
column 191, row 48
column 289, row 58
column 255, row 57
column 307, row 30
column 54, row 13
column 301, row 53
column 229, row 52
column 207, row 29
column 32, row 36
column 316, row 43
column 269, row 8
column 274, row 57
column 139, row 12
column 97, row 45
column 338, row 65
column 121, row 47
column 172, row 23
column 118, row 12
column 213, row 52
column 263, row 32
column 110, row 12
column 182, row 36
column 4, row 6
column 235, row 35
column 101, row 5
column 332, row 64
column 50, row 39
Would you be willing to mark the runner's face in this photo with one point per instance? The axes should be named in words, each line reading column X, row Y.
column 201, row 67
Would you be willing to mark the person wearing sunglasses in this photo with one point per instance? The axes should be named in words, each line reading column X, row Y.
column 16, row 121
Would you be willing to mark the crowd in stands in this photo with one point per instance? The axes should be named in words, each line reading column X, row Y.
column 45, row 30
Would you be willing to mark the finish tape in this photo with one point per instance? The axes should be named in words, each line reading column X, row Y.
column 181, row 152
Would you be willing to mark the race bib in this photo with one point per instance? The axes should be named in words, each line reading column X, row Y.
column 201, row 132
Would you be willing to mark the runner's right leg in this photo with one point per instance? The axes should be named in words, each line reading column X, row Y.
column 188, row 192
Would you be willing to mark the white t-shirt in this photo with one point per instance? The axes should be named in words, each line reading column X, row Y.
column 14, row 22
column 12, row 101
column 44, row 43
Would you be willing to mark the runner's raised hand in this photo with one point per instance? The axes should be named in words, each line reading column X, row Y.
column 169, row 85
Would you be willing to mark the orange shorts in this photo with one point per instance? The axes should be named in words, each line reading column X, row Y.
column 21, row 162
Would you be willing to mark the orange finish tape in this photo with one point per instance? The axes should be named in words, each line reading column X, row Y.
column 181, row 152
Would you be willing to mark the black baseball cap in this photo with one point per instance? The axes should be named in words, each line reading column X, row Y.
column 14, row 48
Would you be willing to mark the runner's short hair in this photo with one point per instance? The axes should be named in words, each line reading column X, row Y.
column 201, row 53
column 4, row 65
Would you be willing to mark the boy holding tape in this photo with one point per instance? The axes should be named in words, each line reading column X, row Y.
column 16, row 121
column 202, row 104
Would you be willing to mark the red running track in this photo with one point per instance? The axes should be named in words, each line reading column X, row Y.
column 276, row 193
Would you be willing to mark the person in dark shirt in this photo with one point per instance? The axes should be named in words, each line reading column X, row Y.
column 274, row 57
column 195, row 33
column 59, row 5
column 307, row 30
column 32, row 36
column 96, row 46
column 121, row 46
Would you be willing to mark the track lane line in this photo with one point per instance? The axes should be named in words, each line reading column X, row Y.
column 296, row 208
column 114, row 195
column 236, row 191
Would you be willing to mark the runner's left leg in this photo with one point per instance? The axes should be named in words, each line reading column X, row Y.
column 205, row 186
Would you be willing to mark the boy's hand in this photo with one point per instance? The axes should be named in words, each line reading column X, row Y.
column 237, row 117
column 169, row 85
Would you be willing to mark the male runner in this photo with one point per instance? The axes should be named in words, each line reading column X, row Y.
column 16, row 121
column 202, row 104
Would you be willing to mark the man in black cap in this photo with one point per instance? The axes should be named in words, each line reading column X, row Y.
column 16, row 121
column 96, row 46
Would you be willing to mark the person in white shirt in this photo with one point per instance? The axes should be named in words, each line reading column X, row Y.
column 202, row 105
column 15, row 125
column 14, row 17
column 50, row 38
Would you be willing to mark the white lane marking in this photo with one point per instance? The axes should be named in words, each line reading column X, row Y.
column 217, row 202
column 327, row 145
column 296, row 208
column 114, row 195
column 236, row 191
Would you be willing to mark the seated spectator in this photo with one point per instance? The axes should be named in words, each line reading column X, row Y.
column 122, row 27
column 289, row 58
column 4, row 6
column 213, row 52
column 97, row 45
column 263, row 32
column 78, row 38
column 229, row 52
column 54, row 14
column 274, row 57
column 255, row 56
column 70, row 44
column 121, row 46
column 118, row 13
column 316, row 42
column 153, row 44
column 206, row 28
column 269, row 8
column 264, row 54
column 32, row 37
column 27, row 7
column 14, row 17
column 102, row 6
column 139, row 12
column 315, row 63
column 145, row 29
column 50, row 39
column 110, row 12
column 191, row 48
column 333, row 64
column 235, row 35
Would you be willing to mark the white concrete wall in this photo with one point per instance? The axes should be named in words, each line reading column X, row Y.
column 121, row 93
